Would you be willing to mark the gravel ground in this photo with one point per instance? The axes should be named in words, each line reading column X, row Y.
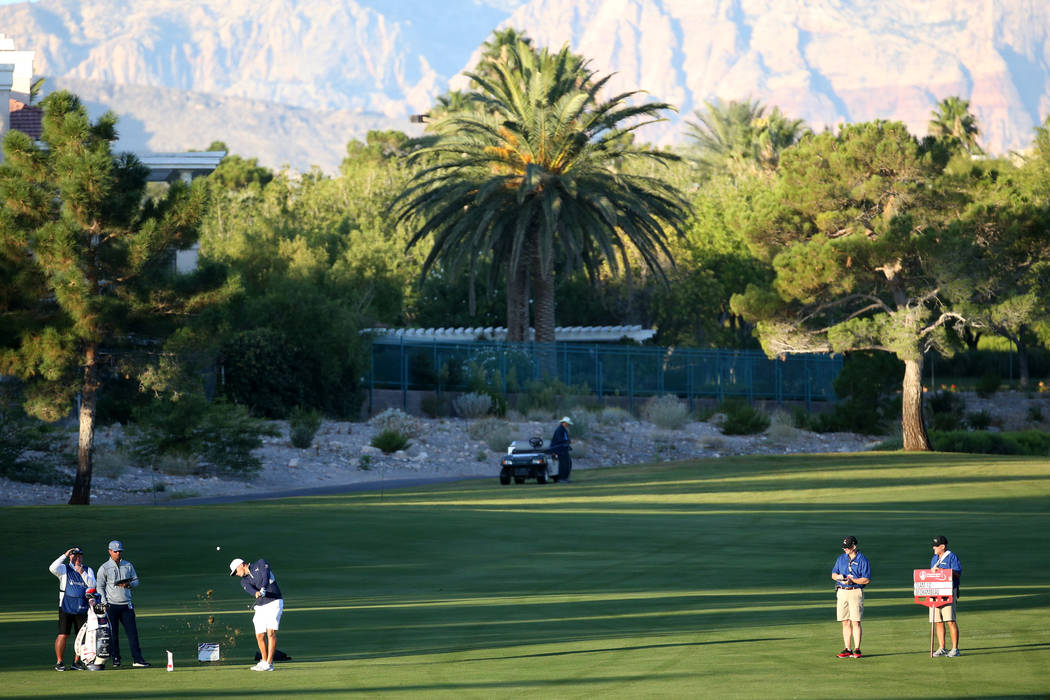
column 341, row 455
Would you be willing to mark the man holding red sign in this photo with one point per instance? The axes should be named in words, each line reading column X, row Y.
column 944, row 558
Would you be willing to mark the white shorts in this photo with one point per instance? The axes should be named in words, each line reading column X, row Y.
column 268, row 616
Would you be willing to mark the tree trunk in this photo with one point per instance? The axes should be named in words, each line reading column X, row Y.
column 517, row 304
column 913, row 426
column 86, row 444
column 1022, row 362
column 543, row 292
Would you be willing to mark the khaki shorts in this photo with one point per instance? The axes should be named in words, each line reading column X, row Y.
column 849, row 605
column 945, row 613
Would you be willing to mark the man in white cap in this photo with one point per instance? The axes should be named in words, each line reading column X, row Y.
column 561, row 445
column 116, row 578
column 259, row 582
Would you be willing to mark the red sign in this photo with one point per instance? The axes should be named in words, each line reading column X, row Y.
column 933, row 587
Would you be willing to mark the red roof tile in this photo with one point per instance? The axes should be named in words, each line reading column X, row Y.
column 27, row 119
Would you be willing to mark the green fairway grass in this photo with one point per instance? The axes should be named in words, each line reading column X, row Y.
column 706, row 578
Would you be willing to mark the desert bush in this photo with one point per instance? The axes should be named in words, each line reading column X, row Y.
column 781, row 426
column 667, row 412
column 712, row 442
column 582, row 424
column 177, row 465
column 390, row 441
column 539, row 415
column 614, row 415
column 434, row 406
column 472, row 405
column 396, row 420
column 988, row 384
column 742, row 418
column 109, row 462
column 979, row 420
column 303, row 425
column 220, row 436
column 1035, row 414
column 553, row 396
column 495, row 433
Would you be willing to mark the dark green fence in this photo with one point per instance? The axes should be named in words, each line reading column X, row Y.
column 606, row 370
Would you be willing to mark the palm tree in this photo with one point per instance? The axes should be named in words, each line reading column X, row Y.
column 737, row 136
column 540, row 174
column 953, row 123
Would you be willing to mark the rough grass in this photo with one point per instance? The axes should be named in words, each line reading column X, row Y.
column 704, row 578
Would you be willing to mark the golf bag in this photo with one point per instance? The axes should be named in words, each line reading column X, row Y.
column 93, row 639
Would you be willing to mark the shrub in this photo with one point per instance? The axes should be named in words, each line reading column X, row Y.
column 946, row 411
column 988, row 384
column 220, row 435
column 390, row 441
column 1034, row 443
column 979, row 420
column 667, row 412
column 396, row 420
column 303, row 424
column 434, row 406
column 495, row 433
column 781, row 426
column 742, row 418
column 614, row 415
column 552, row 396
column 1035, row 414
column 472, row 405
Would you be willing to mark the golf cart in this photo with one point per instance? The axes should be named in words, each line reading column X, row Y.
column 531, row 460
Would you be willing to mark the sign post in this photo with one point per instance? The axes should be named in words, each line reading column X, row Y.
column 933, row 588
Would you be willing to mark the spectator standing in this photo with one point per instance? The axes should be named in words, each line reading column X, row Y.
column 116, row 578
column 561, row 446
column 74, row 579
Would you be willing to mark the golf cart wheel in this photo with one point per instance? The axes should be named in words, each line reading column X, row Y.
column 504, row 477
column 519, row 480
column 541, row 478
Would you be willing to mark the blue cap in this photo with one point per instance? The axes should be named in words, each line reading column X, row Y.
column 115, row 546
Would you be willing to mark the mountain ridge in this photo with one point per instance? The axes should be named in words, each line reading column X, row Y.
column 274, row 66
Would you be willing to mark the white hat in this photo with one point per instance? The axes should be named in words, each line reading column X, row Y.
column 566, row 419
column 233, row 566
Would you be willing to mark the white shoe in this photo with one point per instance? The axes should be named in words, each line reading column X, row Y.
column 955, row 652
column 940, row 652
column 262, row 666
column 269, row 667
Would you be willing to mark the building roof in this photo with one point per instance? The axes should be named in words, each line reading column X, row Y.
column 562, row 334
column 171, row 166
column 26, row 118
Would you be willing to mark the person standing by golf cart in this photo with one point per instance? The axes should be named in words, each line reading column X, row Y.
column 258, row 581
column 561, row 446
column 74, row 580
column 851, row 574
column 116, row 578
column 944, row 558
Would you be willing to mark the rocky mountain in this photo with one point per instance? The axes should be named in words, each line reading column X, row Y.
column 291, row 81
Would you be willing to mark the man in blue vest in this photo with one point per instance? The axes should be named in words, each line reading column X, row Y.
column 74, row 579
column 851, row 574
column 944, row 558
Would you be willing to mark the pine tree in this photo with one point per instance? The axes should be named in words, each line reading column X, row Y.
column 89, row 257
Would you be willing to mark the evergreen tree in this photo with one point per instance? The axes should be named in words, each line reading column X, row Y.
column 89, row 257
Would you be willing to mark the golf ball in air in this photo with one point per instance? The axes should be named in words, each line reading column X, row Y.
column 218, row 548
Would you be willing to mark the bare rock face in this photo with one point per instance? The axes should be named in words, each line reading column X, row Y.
column 260, row 70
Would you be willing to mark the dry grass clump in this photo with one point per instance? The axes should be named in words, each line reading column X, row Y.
column 495, row 433
column 396, row 420
column 667, row 412
column 472, row 405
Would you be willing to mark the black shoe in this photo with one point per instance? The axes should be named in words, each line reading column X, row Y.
column 141, row 664
column 78, row 666
column 60, row 666
column 116, row 663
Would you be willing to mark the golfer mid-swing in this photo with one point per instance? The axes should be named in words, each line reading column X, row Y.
column 259, row 582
